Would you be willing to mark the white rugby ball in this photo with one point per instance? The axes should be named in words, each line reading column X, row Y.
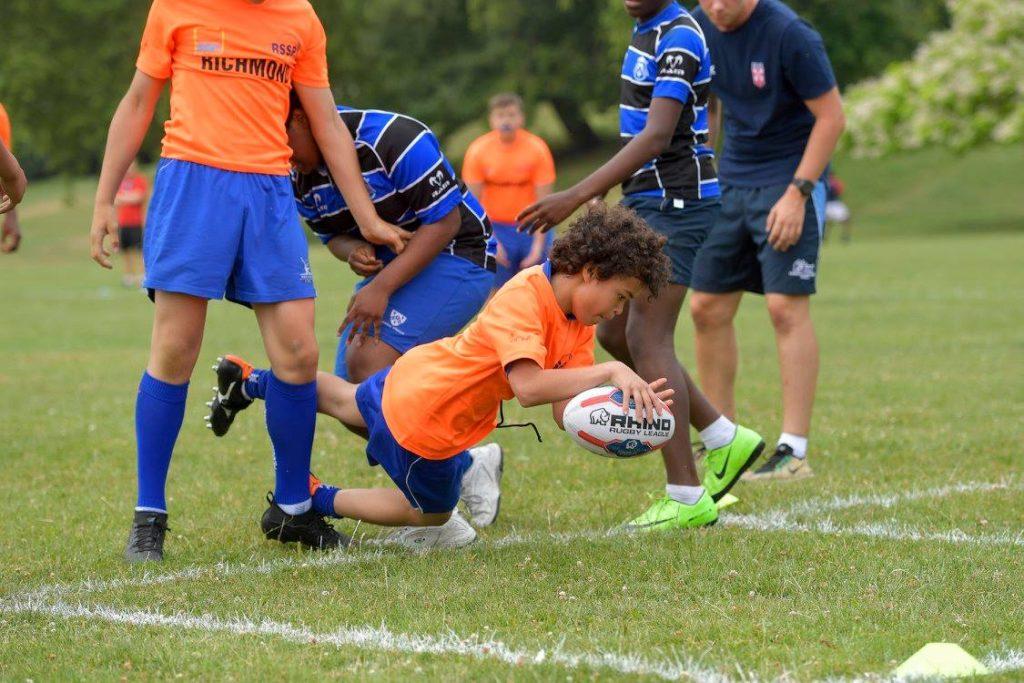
column 595, row 420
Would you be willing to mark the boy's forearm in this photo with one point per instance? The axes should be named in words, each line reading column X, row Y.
column 548, row 386
column 124, row 138
column 339, row 153
column 343, row 245
column 10, row 169
column 426, row 243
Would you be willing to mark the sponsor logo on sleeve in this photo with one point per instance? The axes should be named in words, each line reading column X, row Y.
column 440, row 183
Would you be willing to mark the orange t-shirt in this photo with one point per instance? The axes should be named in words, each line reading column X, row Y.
column 231, row 65
column 443, row 397
column 510, row 172
column 5, row 128
column 129, row 214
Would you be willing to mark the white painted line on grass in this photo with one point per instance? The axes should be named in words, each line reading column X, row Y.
column 892, row 530
column 220, row 570
column 383, row 639
column 815, row 506
column 774, row 521
column 1006, row 660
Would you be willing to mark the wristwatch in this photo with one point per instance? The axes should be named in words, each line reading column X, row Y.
column 806, row 187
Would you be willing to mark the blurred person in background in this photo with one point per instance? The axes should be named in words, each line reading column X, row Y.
column 836, row 210
column 12, row 188
column 131, row 203
column 509, row 168
column 783, row 117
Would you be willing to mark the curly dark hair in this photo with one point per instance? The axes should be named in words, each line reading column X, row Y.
column 614, row 241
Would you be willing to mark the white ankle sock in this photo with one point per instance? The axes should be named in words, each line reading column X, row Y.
column 719, row 433
column 797, row 443
column 297, row 508
column 687, row 495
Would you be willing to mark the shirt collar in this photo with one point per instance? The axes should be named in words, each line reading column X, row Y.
column 668, row 14
column 546, row 266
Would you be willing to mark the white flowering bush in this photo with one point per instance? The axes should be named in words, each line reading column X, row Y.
column 964, row 86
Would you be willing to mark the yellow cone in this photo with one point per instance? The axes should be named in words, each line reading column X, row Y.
column 940, row 660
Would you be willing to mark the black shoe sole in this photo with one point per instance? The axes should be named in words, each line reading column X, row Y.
column 283, row 533
column 750, row 461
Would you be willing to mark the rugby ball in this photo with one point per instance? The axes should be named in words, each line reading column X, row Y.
column 595, row 420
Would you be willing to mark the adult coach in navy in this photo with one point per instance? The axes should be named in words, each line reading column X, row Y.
column 783, row 116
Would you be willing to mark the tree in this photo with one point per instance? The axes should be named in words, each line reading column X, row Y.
column 964, row 86
column 67, row 63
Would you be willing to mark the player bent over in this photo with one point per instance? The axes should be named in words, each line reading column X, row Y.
column 429, row 291
column 222, row 222
column 534, row 341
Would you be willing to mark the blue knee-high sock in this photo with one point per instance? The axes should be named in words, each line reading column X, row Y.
column 256, row 386
column 159, row 411
column 323, row 500
column 291, row 420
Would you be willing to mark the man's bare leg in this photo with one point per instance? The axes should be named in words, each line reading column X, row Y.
column 715, row 346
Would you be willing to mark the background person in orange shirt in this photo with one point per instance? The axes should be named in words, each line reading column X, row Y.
column 533, row 341
column 131, row 203
column 12, row 188
column 509, row 169
column 223, row 223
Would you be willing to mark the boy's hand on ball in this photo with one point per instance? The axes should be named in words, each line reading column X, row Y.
column 643, row 394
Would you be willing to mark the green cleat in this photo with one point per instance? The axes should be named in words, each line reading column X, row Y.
column 725, row 465
column 666, row 514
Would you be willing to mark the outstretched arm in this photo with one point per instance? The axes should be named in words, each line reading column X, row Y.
column 534, row 386
column 127, row 128
column 548, row 212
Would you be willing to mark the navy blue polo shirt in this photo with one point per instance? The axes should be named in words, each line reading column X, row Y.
column 764, row 71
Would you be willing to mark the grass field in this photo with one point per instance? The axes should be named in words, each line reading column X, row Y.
column 911, row 532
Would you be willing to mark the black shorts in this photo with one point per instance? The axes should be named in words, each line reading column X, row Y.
column 736, row 255
column 130, row 236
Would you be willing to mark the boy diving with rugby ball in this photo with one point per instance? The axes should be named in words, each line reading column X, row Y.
column 533, row 341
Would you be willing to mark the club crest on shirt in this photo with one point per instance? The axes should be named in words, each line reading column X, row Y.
column 396, row 319
column 757, row 74
column 208, row 41
column 640, row 69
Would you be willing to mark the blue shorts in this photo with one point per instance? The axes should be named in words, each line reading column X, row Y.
column 737, row 256
column 686, row 228
column 213, row 233
column 437, row 303
column 429, row 485
column 517, row 247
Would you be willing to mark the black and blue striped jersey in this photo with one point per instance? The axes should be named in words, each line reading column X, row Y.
column 668, row 57
column 409, row 180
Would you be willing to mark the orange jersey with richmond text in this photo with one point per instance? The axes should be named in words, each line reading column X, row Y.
column 443, row 397
column 231, row 64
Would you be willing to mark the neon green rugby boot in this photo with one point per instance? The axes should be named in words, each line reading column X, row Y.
column 666, row 514
column 725, row 465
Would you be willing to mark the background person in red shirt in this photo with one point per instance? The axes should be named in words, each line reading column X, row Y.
column 131, row 203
